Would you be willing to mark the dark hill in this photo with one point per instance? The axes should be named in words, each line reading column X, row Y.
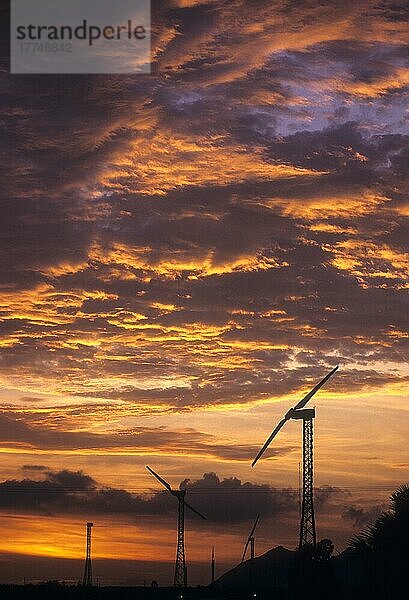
column 268, row 571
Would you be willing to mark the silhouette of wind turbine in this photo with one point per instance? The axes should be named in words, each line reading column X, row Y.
column 250, row 540
column 307, row 525
column 180, row 579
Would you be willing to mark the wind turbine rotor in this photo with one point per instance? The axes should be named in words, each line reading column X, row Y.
column 254, row 527
column 159, row 478
column 194, row 510
column 269, row 440
column 245, row 550
column 249, row 538
column 294, row 412
column 314, row 390
column 179, row 494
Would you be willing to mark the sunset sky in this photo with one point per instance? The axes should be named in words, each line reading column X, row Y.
column 183, row 256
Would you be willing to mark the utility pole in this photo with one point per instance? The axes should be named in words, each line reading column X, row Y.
column 212, row 564
column 87, row 580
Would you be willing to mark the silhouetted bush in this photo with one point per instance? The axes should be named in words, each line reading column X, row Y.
column 311, row 573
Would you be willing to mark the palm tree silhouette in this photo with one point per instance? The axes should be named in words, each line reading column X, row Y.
column 384, row 547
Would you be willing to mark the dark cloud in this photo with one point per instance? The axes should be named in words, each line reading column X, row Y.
column 360, row 516
column 34, row 468
column 221, row 500
column 231, row 500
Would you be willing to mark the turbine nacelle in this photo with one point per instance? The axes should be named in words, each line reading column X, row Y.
column 178, row 493
column 304, row 413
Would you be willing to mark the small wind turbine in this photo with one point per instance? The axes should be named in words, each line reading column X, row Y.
column 251, row 541
column 180, row 579
column 307, row 526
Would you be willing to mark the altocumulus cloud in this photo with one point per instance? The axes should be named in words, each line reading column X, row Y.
column 99, row 284
column 143, row 440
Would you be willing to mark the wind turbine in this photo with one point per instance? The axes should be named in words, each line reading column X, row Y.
column 250, row 540
column 180, row 579
column 308, row 534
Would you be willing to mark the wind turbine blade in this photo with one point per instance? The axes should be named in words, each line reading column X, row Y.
column 254, row 527
column 268, row 442
column 195, row 511
column 310, row 394
column 245, row 550
column 159, row 478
